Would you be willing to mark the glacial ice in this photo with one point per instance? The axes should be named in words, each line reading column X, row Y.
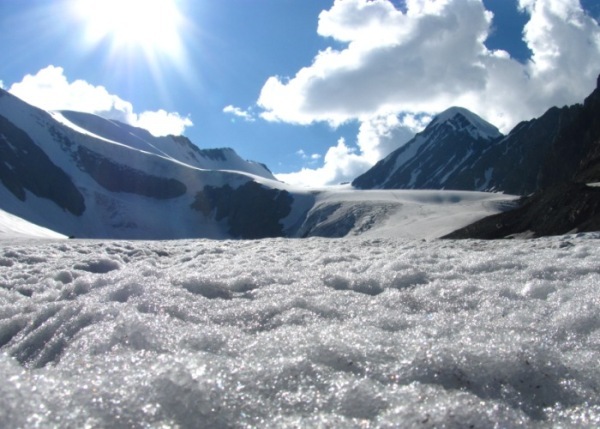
column 300, row 333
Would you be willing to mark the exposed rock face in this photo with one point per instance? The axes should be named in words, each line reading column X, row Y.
column 25, row 167
column 517, row 161
column 557, row 210
column 116, row 177
column 340, row 219
column 251, row 210
column 565, row 203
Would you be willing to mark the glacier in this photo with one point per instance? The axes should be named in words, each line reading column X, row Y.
column 354, row 332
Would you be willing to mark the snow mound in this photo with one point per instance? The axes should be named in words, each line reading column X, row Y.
column 290, row 333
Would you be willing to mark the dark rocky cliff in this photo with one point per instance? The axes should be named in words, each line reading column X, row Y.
column 568, row 200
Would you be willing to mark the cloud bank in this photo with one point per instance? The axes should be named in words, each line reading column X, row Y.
column 49, row 89
column 397, row 68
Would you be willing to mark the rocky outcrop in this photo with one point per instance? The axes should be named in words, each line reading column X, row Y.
column 568, row 200
column 25, row 167
column 560, row 209
column 116, row 177
column 251, row 211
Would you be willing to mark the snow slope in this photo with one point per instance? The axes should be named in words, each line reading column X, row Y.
column 353, row 333
column 459, row 118
column 344, row 211
column 12, row 227
column 175, row 148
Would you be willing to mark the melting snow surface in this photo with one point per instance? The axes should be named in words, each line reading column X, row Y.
column 300, row 333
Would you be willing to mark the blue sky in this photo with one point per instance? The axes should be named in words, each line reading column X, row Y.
column 318, row 90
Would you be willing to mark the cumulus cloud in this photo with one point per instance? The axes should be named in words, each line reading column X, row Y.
column 340, row 164
column 379, row 135
column 49, row 89
column 162, row 123
column 313, row 157
column 397, row 64
column 246, row 115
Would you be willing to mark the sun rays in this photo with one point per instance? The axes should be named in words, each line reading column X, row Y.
column 129, row 27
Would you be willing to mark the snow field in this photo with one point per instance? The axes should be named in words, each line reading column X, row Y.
column 300, row 333
column 12, row 226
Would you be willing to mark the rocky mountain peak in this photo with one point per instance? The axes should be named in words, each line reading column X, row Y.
column 461, row 119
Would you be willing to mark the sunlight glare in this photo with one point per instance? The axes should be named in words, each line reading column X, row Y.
column 151, row 25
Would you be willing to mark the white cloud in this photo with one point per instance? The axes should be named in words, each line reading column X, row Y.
column 380, row 135
column 377, row 137
column 1, row 84
column 393, row 62
column 246, row 115
column 313, row 157
column 161, row 122
column 49, row 89
column 340, row 164
column 396, row 65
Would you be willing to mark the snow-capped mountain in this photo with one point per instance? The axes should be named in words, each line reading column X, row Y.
column 176, row 148
column 84, row 176
column 553, row 160
column 459, row 150
column 440, row 157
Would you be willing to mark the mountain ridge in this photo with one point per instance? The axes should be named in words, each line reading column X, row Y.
column 436, row 157
column 568, row 199
column 520, row 163
column 83, row 184
column 115, row 181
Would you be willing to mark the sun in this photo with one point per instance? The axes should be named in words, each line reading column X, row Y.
column 153, row 26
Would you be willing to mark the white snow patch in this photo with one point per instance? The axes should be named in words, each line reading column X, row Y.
column 12, row 226
column 488, row 177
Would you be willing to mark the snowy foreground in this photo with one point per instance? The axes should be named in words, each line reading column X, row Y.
column 289, row 333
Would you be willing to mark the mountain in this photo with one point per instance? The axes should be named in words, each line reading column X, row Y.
column 515, row 163
column 84, row 176
column 176, row 148
column 568, row 199
column 459, row 150
column 440, row 157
